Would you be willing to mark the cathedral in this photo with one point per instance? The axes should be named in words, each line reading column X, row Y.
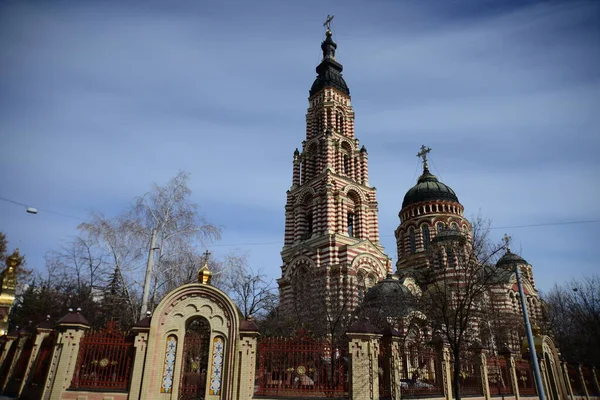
column 331, row 251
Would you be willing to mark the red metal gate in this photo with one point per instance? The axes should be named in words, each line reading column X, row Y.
column 499, row 376
column 195, row 360
column 104, row 360
column 301, row 366
column 525, row 380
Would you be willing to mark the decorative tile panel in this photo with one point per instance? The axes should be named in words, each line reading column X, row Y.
column 217, row 365
column 169, row 366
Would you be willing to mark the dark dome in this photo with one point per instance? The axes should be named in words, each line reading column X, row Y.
column 428, row 188
column 329, row 70
column 509, row 260
column 391, row 297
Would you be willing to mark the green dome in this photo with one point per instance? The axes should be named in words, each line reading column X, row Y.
column 428, row 188
column 391, row 297
column 510, row 260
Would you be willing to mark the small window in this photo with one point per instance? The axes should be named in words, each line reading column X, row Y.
column 351, row 224
column 309, row 224
column 439, row 226
column 425, row 233
column 346, row 164
column 411, row 235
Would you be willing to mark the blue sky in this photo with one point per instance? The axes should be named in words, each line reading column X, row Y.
column 100, row 99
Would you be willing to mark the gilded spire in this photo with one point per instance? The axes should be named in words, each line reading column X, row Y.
column 204, row 274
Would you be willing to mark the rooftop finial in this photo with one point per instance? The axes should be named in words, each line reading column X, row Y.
column 327, row 23
column 423, row 154
column 507, row 240
column 204, row 274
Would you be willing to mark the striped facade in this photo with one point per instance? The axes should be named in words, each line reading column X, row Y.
column 331, row 246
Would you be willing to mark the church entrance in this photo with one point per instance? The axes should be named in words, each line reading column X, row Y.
column 195, row 360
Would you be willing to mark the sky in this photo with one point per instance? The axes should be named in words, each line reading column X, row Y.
column 100, row 99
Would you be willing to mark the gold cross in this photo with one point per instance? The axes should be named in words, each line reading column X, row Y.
column 327, row 23
column 423, row 154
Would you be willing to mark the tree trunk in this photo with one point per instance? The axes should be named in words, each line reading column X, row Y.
column 456, row 376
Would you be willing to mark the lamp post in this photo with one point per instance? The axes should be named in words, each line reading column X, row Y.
column 532, row 350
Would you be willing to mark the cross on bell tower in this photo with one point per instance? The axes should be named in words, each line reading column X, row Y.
column 331, row 227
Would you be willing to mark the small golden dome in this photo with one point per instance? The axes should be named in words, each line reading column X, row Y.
column 204, row 275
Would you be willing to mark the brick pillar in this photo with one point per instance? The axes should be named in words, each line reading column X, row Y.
column 481, row 369
column 443, row 367
column 141, row 330
column 582, row 380
column 246, row 361
column 512, row 370
column 364, row 352
column 565, row 372
column 24, row 334
column 42, row 331
column 392, row 362
column 12, row 340
column 71, row 329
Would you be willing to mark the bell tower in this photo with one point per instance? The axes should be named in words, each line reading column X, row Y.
column 331, row 251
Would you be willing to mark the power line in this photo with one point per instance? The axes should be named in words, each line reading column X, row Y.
column 18, row 203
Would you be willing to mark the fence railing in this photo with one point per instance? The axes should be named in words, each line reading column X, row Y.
column 525, row 381
column 420, row 376
column 499, row 376
column 301, row 366
column 104, row 360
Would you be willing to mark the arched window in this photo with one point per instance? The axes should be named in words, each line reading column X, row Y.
column 346, row 164
column 454, row 226
column 425, row 233
column 411, row 238
column 341, row 123
column 351, row 224
column 439, row 226
column 309, row 224
column 361, row 287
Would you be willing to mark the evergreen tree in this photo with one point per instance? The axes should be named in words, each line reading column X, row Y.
column 115, row 305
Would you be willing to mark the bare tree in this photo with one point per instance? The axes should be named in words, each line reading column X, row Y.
column 457, row 283
column 573, row 316
column 165, row 217
column 250, row 290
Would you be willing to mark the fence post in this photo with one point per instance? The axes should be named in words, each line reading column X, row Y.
column 595, row 379
column 582, row 380
column 71, row 329
column 481, row 369
column 392, row 360
column 11, row 340
column 364, row 353
column 247, row 352
column 443, row 365
column 23, row 335
column 141, row 330
column 42, row 331
column 512, row 370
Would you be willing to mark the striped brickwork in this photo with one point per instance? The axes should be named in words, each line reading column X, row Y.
column 331, row 214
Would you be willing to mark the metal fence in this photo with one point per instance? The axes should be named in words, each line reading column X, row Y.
column 301, row 366
column 104, row 361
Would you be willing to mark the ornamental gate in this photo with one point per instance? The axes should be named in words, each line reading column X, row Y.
column 301, row 366
column 195, row 360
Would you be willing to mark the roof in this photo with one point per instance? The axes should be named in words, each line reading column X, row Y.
column 73, row 318
column 329, row 71
column 510, row 260
column 390, row 297
column 363, row 326
column 428, row 188
column 247, row 325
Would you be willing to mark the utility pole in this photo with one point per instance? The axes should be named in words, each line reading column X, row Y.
column 149, row 271
column 532, row 351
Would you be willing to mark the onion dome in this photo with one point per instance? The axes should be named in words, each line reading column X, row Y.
column 428, row 188
column 510, row 260
column 329, row 70
column 391, row 297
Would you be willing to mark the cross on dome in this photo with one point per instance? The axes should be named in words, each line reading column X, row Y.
column 327, row 22
column 507, row 240
column 423, row 155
